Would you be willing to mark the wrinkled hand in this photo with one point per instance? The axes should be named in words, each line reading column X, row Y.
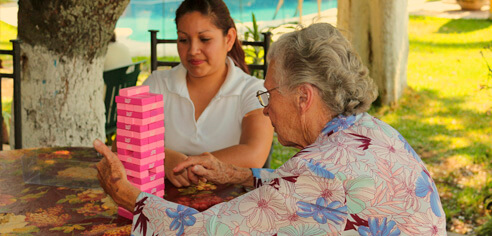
column 112, row 177
column 207, row 167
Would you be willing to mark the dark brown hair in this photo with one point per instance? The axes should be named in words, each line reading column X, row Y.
column 219, row 13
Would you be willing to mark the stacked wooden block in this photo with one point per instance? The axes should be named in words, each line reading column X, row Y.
column 140, row 139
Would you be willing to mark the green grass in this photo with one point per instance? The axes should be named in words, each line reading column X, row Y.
column 6, row 1
column 445, row 115
column 7, row 32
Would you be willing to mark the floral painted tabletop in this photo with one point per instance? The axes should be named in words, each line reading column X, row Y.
column 55, row 191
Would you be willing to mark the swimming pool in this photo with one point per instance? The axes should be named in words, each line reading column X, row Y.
column 142, row 15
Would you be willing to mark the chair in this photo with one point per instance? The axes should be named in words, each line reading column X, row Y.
column 154, row 62
column 15, row 75
column 115, row 80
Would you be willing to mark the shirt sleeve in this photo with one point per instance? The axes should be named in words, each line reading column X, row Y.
column 285, row 206
column 249, row 102
column 263, row 175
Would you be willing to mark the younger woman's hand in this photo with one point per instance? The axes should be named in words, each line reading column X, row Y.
column 178, row 179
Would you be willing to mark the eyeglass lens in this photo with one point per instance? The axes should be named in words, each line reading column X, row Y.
column 264, row 98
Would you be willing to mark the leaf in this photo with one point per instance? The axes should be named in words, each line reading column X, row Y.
column 255, row 28
column 27, row 229
column 33, row 195
column 355, row 205
column 218, row 228
column 69, row 198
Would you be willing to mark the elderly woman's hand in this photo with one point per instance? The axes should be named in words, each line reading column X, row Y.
column 112, row 177
column 208, row 167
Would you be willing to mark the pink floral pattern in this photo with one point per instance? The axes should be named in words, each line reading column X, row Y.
column 262, row 209
column 360, row 175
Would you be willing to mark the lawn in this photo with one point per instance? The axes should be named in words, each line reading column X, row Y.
column 445, row 114
column 7, row 32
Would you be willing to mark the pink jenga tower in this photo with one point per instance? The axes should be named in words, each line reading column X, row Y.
column 140, row 139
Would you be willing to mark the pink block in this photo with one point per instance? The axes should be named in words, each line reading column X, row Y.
column 160, row 193
column 137, row 174
column 140, row 115
column 138, row 141
column 155, row 189
column 124, row 106
column 138, row 161
column 124, row 119
column 147, row 107
column 156, row 125
column 150, row 185
column 157, row 169
column 134, row 90
column 140, row 148
column 151, row 177
column 135, row 167
column 141, row 135
column 137, row 121
column 158, row 97
column 122, row 151
column 139, row 128
column 125, row 213
column 140, row 99
column 141, row 155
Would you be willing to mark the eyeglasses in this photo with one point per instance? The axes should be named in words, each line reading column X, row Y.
column 264, row 96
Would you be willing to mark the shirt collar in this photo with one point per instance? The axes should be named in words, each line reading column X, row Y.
column 234, row 78
column 339, row 123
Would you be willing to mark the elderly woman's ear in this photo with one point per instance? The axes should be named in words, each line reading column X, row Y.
column 306, row 96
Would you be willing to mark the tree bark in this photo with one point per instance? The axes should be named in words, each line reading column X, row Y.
column 63, row 47
column 378, row 31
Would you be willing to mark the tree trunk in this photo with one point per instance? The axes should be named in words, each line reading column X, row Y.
column 63, row 47
column 378, row 31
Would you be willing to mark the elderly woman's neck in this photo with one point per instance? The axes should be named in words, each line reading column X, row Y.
column 314, row 122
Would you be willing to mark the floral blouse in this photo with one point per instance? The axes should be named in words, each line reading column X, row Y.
column 360, row 175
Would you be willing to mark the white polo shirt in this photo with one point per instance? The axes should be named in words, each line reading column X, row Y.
column 219, row 125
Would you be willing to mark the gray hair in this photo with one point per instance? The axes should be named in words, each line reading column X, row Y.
column 321, row 56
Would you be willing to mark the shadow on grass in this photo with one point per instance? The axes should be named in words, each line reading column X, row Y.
column 464, row 46
column 463, row 26
column 419, row 121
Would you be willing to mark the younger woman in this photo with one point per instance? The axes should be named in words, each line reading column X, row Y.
column 209, row 99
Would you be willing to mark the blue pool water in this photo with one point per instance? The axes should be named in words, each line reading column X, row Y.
column 142, row 15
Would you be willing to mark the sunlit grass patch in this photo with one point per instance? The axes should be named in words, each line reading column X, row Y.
column 7, row 32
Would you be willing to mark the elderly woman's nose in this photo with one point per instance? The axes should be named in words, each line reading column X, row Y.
column 265, row 110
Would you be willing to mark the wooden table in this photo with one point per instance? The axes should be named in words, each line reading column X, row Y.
column 54, row 191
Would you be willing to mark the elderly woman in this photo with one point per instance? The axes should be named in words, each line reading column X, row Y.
column 353, row 173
